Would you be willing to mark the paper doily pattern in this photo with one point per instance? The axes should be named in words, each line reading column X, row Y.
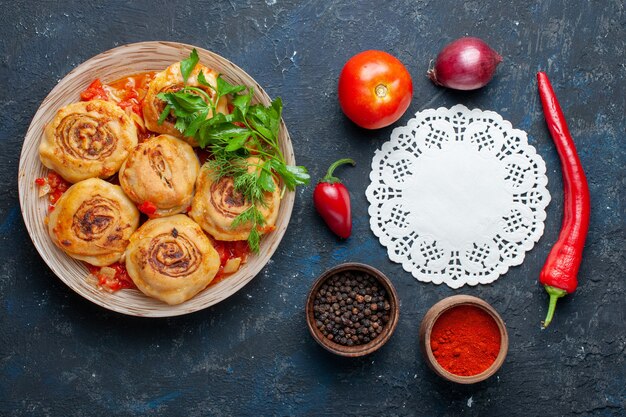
column 457, row 196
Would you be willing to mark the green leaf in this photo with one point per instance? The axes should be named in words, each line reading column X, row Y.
column 277, row 107
column 186, row 104
column 242, row 102
column 222, row 133
column 166, row 97
column 197, row 91
column 292, row 175
column 300, row 174
column 227, row 131
column 164, row 114
column 187, row 65
column 260, row 113
column 266, row 119
column 237, row 142
column 203, row 81
column 195, row 123
column 259, row 127
column 225, row 88
column 181, row 124
column 266, row 180
column 221, row 118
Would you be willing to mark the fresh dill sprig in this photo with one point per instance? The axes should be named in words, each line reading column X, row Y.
column 255, row 218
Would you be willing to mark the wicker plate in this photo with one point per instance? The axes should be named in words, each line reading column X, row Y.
column 109, row 66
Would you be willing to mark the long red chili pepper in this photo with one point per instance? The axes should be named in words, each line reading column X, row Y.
column 332, row 201
column 559, row 272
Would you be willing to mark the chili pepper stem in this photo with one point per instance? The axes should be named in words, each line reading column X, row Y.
column 555, row 294
column 329, row 178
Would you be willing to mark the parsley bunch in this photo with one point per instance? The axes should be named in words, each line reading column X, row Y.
column 249, row 130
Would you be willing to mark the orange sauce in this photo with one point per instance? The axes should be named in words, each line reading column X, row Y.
column 121, row 279
column 131, row 91
column 57, row 186
column 227, row 251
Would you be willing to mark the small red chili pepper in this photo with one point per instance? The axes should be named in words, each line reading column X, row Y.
column 332, row 201
column 147, row 207
column 558, row 275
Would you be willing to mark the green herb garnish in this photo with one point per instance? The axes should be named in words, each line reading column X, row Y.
column 187, row 65
column 250, row 130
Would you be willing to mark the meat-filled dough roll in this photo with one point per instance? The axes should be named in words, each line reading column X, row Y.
column 163, row 171
column 89, row 139
column 171, row 259
column 217, row 203
column 92, row 222
column 171, row 80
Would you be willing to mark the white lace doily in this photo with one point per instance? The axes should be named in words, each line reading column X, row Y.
column 457, row 196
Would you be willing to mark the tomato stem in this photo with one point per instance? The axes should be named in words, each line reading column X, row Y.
column 381, row 90
column 329, row 178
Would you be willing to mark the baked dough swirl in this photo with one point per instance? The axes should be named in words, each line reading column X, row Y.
column 217, row 203
column 171, row 259
column 171, row 80
column 93, row 221
column 162, row 170
column 87, row 139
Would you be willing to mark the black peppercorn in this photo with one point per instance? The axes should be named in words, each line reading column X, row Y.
column 351, row 309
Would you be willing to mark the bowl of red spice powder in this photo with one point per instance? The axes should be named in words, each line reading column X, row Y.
column 463, row 339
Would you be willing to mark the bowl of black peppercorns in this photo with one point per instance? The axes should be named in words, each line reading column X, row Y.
column 352, row 309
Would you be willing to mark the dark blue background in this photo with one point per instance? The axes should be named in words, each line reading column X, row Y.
column 251, row 354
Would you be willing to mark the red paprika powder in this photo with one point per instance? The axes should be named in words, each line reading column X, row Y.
column 465, row 340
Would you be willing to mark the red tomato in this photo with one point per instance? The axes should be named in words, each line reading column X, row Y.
column 147, row 207
column 95, row 91
column 375, row 89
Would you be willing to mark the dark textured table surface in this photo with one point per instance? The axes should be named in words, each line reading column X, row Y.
column 251, row 354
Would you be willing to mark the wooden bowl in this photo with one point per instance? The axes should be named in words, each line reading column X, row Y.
column 427, row 325
column 109, row 66
column 360, row 350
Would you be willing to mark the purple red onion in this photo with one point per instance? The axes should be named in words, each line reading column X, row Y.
column 465, row 64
